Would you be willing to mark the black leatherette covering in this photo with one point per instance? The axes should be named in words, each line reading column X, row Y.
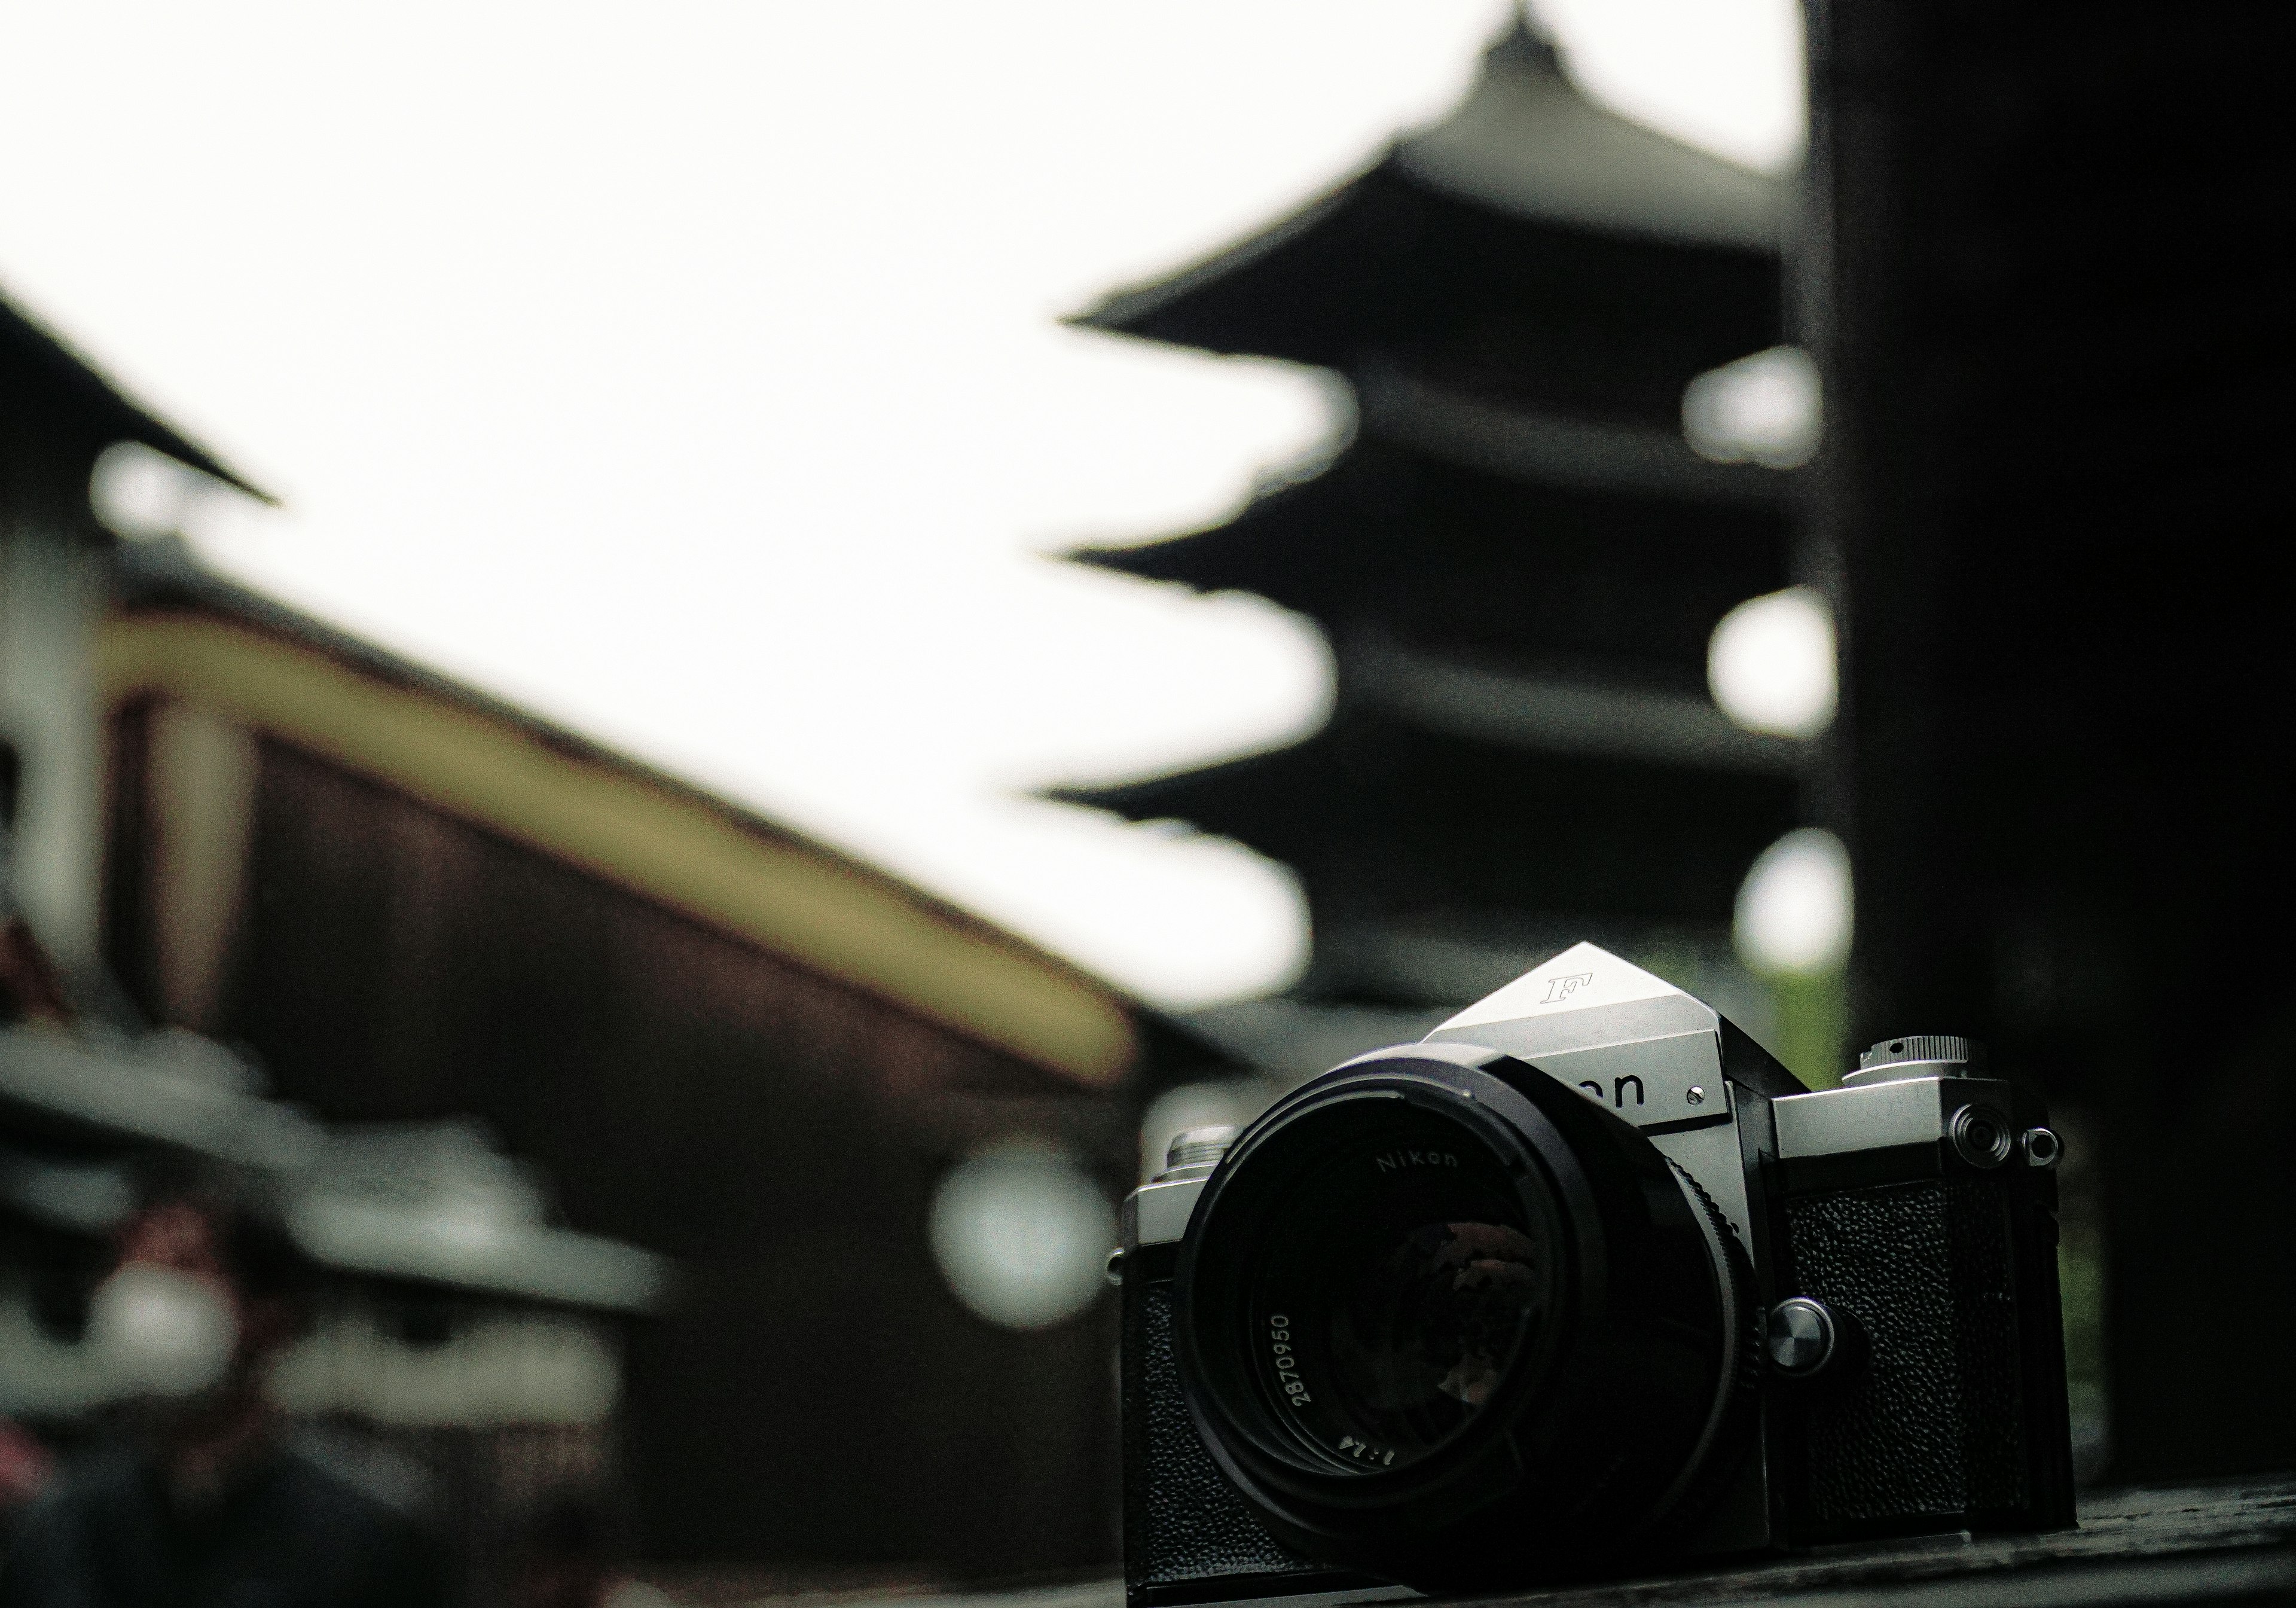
column 1935, row 1426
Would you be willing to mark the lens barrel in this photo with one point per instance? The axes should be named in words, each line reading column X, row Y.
column 1441, row 1317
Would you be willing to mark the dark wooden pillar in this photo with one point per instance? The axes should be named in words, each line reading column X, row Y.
column 2047, row 282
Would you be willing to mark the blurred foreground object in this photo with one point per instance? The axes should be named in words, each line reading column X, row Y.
column 451, row 1351
column 457, row 1332
column 200, row 1493
column 2045, row 271
column 88, row 1119
column 1518, row 556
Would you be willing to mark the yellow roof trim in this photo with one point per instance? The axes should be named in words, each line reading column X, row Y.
column 798, row 901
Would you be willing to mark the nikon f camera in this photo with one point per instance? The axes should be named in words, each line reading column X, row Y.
column 1586, row 1282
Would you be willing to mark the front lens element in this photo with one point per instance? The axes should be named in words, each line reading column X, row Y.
column 1403, row 1273
column 1438, row 1317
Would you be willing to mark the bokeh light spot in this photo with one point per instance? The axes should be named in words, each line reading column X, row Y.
column 1020, row 1233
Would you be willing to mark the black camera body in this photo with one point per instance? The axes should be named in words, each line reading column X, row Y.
column 1586, row 1283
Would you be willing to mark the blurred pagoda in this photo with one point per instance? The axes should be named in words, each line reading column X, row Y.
column 1517, row 555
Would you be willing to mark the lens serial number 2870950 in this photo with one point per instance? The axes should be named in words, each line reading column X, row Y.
column 1287, row 1361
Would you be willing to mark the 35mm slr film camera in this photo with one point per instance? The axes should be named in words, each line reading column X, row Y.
column 1586, row 1282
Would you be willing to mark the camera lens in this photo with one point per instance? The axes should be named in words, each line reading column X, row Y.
column 1439, row 1315
column 1397, row 1281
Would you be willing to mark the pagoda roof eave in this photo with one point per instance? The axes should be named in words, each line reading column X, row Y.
column 1411, row 429
column 1540, row 448
column 1138, row 310
column 1452, row 700
column 1377, row 808
column 1232, row 556
column 1526, row 145
column 1471, row 699
column 106, row 413
column 1174, row 561
column 1164, row 797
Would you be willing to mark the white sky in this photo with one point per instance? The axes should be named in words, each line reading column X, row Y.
column 689, row 372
